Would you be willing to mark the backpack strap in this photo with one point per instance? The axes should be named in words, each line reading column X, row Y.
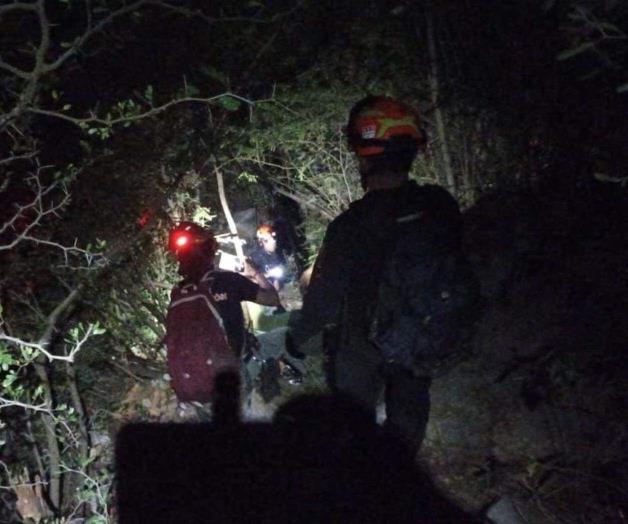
column 192, row 287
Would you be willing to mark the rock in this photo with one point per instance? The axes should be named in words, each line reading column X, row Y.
column 504, row 511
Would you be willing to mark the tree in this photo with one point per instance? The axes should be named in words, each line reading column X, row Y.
column 54, row 282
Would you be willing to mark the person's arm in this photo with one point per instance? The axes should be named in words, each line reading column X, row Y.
column 268, row 297
column 266, row 294
column 335, row 263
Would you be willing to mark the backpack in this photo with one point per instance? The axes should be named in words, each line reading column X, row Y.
column 428, row 295
column 196, row 343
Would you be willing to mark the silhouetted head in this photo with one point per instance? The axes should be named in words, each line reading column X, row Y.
column 385, row 135
column 193, row 246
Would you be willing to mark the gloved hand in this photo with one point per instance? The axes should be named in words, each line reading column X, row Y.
column 291, row 348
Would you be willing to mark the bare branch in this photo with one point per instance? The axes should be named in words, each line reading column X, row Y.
column 9, row 403
column 134, row 118
column 17, row 6
column 15, row 158
column 91, row 31
column 307, row 202
column 24, row 75
column 37, row 206
column 41, row 346
column 197, row 13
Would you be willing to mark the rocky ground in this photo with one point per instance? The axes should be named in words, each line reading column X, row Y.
column 534, row 417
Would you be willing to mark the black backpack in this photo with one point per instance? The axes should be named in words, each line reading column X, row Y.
column 196, row 342
column 428, row 296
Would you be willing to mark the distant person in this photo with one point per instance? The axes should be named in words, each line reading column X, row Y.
column 268, row 257
column 399, row 233
column 205, row 331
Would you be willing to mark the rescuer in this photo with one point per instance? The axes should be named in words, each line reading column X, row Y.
column 344, row 295
column 205, row 331
column 268, row 257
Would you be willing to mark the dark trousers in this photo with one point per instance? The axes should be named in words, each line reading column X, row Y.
column 362, row 374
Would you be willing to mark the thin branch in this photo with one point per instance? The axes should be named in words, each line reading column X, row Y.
column 8, row 403
column 134, row 118
column 197, row 13
column 20, row 73
column 17, row 6
column 26, row 156
column 305, row 202
column 91, row 31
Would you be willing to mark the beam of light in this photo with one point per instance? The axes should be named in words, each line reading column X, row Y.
column 275, row 272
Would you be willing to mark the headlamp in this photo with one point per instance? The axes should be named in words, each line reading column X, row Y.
column 275, row 272
column 182, row 241
column 188, row 237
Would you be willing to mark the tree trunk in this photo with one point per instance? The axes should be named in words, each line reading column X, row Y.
column 441, row 133
column 50, row 427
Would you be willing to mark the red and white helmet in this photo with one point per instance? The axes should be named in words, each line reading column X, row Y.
column 379, row 124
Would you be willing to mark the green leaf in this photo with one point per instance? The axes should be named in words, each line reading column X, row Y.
column 191, row 90
column 623, row 88
column 230, row 103
column 214, row 74
column 203, row 215
column 610, row 28
column 9, row 380
column 574, row 51
column 98, row 329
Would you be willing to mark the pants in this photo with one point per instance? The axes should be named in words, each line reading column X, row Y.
column 363, row 374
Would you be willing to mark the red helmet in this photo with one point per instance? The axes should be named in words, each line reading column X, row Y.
column 188, row 235
column 379, row 124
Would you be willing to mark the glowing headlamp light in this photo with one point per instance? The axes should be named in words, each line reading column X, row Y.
column 181, row 241
column 275, row 272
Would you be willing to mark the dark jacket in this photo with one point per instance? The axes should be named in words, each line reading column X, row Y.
column 344, row 284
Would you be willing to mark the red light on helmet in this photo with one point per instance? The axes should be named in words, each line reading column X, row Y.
column 188, row 237
column 182, row 240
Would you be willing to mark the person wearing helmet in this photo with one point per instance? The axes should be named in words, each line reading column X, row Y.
column 195, row 248
column 268, row 257
column 385, row 136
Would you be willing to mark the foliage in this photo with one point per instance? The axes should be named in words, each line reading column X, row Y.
column 110, row 129
column 76, row 228
column 295, row 147
column 596, row 33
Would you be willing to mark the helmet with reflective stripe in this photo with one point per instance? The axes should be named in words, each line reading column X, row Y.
column 379, row 124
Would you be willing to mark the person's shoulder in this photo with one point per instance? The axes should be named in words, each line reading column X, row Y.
column 426, row 189
column 434, row 195
column 224, row 276
column 346, row 223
